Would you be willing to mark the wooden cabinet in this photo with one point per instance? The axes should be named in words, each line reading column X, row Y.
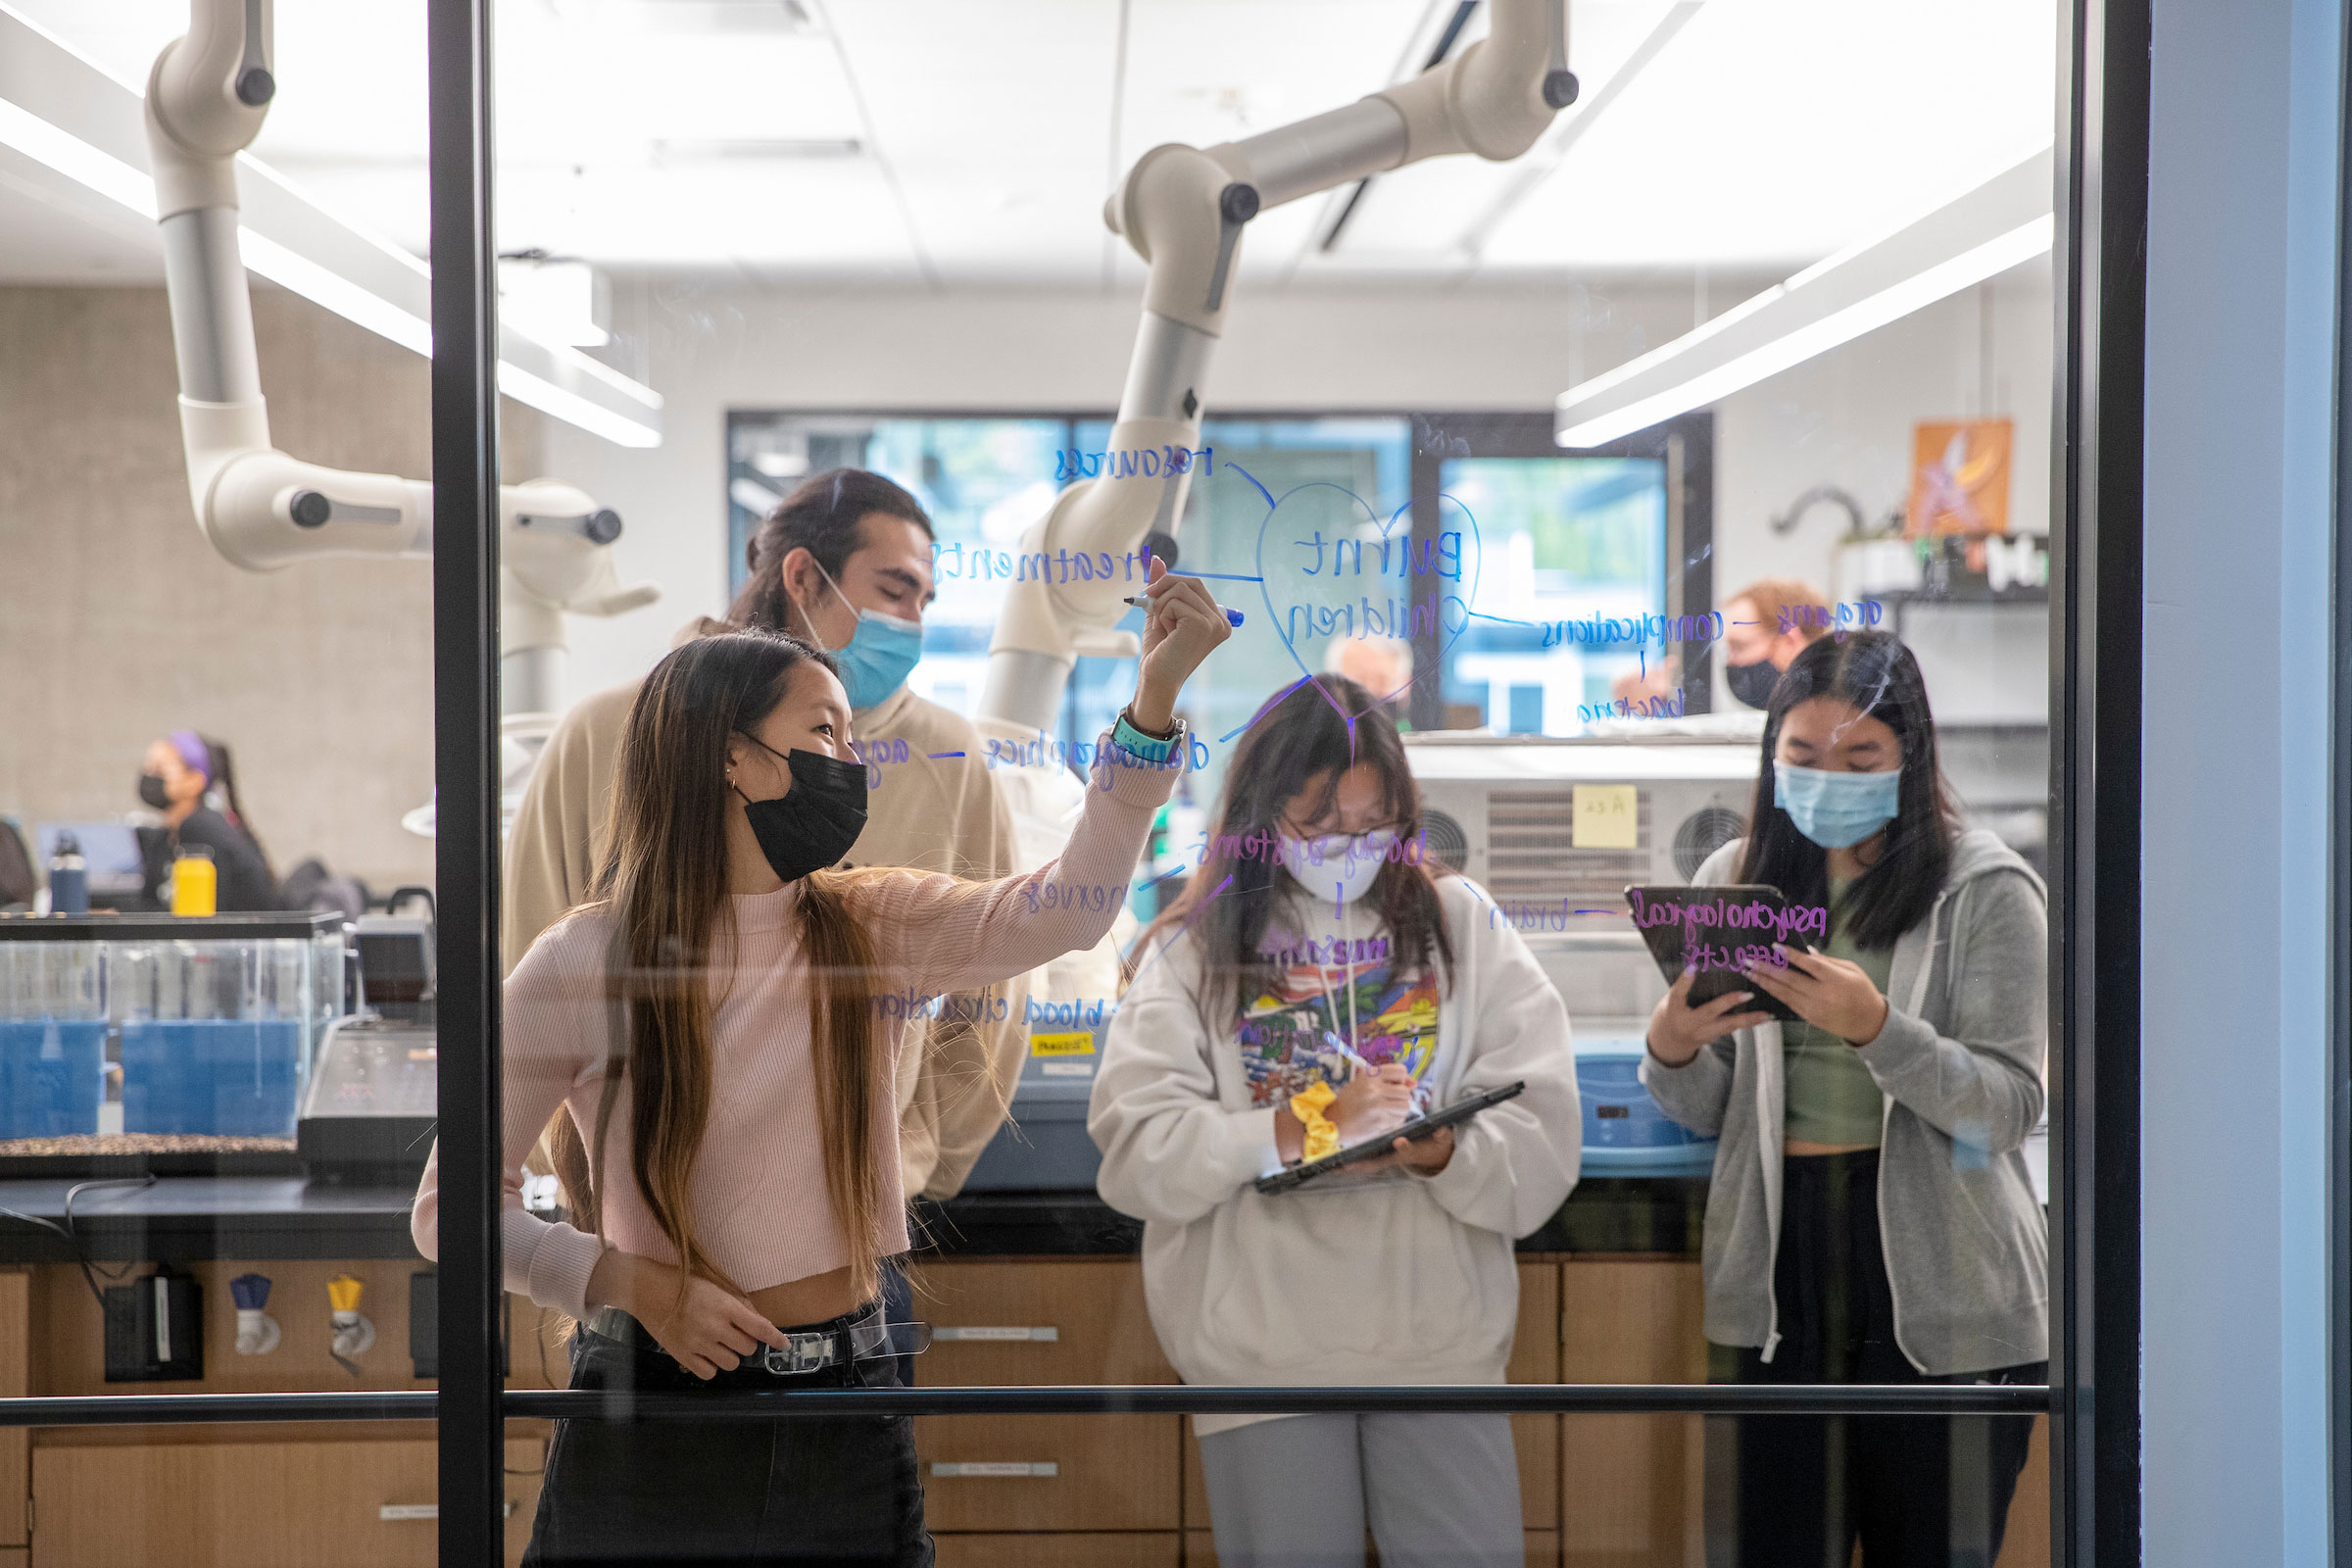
column 1154, row 1550
column 16, row 1371
column 1631, row 1486
column 1597, row 1491
column 1049, row 1472
column 1041, row 1322
column 1201, row 1550
column 286, row 1504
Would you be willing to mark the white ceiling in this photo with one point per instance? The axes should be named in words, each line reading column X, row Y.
column 717, row 135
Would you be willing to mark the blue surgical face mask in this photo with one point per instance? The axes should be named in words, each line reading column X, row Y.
column 879, row 654
column 1835, row 811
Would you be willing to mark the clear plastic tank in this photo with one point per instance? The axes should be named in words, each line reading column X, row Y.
column 212, row 1022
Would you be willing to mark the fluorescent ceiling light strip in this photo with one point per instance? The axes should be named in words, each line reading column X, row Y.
column 109, row 177
column 548, row 398
column 1921, row 289
column 75, row 159
column 306, row 278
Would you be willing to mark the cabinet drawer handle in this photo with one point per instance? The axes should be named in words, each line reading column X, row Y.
column 994, row 1470
column 1043, row 1336
column 392, row 1512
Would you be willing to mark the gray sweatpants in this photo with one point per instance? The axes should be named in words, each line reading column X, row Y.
column 1438, row 1491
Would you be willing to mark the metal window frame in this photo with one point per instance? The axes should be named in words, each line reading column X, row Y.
column 2100, row 268
column 2093, row 1397
column 2339, row 879
column 468, row 1409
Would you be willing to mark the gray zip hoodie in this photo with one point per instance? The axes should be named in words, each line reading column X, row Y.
column 1960, row 1062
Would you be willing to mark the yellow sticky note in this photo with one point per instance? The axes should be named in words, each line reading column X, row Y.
column 1080, row 1044
column 1608, row 817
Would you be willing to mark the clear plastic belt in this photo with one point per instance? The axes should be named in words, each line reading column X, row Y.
column 805, row 1351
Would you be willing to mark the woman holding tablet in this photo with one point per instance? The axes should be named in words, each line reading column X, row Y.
column 1316, row 986
column 714, row 1026
column 1871, row 1218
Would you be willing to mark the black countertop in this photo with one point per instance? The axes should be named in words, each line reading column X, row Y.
column 185, row 1218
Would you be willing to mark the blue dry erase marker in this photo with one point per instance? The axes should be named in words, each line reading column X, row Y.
column 1233, row 617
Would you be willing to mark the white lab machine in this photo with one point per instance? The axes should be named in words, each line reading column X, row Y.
column 1502, row 810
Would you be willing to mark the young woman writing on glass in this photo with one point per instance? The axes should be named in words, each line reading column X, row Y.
column 1871, row 1218
column 722, row 1027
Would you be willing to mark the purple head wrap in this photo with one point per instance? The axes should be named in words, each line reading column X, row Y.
column 193, row 752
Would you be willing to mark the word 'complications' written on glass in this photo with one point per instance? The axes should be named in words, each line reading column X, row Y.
column 1150, row 463
column 1641, row 631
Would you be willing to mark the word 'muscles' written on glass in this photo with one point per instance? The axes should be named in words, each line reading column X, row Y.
column 1149, row 462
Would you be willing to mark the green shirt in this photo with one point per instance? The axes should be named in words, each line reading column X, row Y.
column 1832, row 1098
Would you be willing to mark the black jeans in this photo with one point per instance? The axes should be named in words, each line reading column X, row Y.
column 819, row 1489
column 1796, row 1492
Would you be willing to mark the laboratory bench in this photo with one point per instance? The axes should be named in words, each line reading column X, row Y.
column 1022, row 1288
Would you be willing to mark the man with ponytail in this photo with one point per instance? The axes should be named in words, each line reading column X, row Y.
column 842, row 562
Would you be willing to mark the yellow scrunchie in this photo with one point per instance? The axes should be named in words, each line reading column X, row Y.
column 1322, row 1134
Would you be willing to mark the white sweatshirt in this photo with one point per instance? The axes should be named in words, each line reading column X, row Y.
column 1399, row 1280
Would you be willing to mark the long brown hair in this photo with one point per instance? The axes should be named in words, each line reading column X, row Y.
column 1321, row 729
column 664, row 884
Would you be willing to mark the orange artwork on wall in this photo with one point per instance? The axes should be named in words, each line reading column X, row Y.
column 1959, row 478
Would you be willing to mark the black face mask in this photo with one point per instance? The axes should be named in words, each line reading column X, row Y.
column 1752, row 683
column 815, row 825
column 151, row 790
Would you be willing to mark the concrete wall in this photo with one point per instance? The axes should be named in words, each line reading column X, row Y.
column 1845, row 417
column 117, row 622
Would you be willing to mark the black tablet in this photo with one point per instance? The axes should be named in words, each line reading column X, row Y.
column 1282, row 1180
column 1718, row 931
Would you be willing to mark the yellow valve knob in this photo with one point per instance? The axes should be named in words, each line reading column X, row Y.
column 343, row 1293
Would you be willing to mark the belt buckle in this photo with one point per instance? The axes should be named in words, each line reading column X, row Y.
column 802, row 1352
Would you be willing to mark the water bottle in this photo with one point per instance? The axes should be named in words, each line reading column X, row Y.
column 68, row 878
column 195, row 881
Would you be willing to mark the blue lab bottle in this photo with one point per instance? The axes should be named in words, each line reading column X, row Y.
column 68, row 878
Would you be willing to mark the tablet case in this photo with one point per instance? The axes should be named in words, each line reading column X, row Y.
column 1668, row 940
column 1461, row 1110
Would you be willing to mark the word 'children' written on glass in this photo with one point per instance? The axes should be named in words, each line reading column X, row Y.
column 1149, row 462
column 1337, row 559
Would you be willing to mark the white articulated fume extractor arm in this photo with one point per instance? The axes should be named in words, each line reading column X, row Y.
column 262, row 509
column 1184, row 209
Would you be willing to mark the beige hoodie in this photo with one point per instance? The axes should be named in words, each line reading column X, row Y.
column 931, row 813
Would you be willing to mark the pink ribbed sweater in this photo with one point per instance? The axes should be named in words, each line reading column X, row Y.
column 758, row 1187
